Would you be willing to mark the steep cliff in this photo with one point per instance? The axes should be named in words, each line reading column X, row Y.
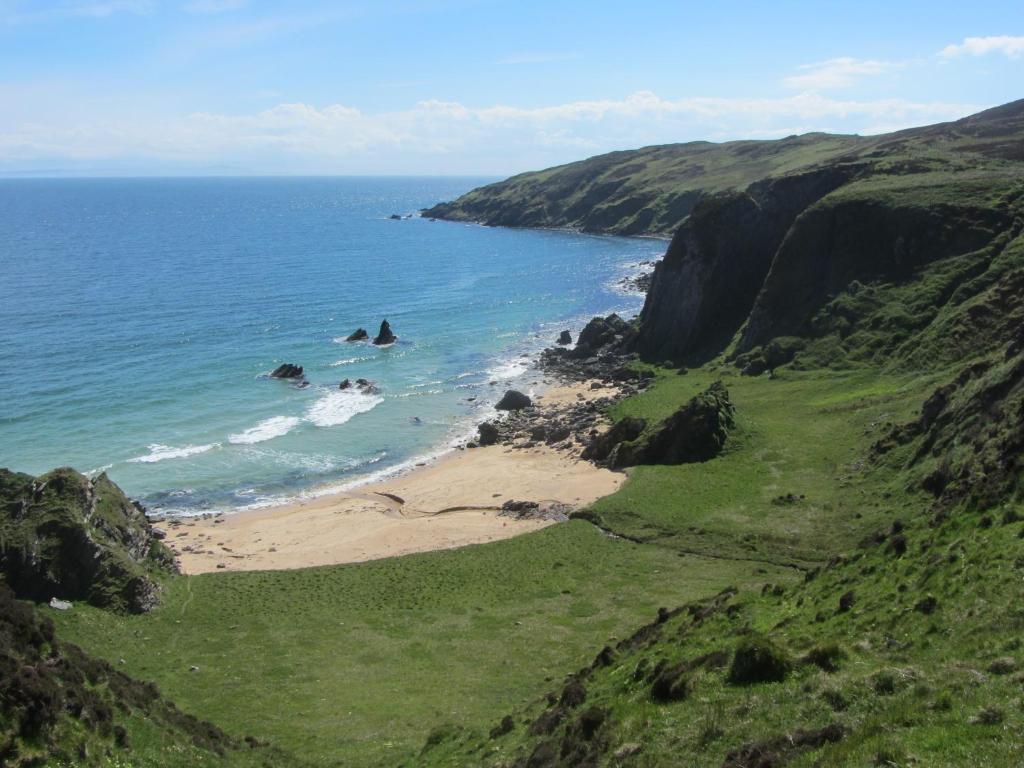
column 66, row 536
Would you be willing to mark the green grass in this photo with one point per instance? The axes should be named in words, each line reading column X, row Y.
column 355, row 665
column 801, row 433
column 911, row 687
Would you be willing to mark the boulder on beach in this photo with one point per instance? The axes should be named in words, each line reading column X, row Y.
column 359, row 334
column 488, row 433
column 602, row 332
column 287, row 371
column 564, row 338
column 513, row 400
column 385, row 336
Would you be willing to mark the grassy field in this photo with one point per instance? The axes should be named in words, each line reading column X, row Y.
column 789, row 488
column 904, row 650
column 355, row 665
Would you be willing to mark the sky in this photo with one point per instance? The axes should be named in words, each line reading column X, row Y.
column 472, row 87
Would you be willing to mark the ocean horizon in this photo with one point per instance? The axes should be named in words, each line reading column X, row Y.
column 142, row 317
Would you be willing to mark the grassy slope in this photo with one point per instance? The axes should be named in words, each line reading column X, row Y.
column 354, row 665
column 602, row 193
column 912, row 688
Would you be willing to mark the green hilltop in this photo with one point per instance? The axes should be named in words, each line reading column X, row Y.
column 837, row 582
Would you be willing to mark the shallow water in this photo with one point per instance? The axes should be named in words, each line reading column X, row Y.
column 140, row 317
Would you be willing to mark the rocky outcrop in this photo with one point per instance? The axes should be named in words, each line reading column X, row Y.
column 488, row 433
column 359, row 334
column 63, row 535
column 564, row 338
column 696, row 432
column 704, row 288
column 385, row 335
column 513, row 400
column 287, row 371
column 623, row 431
column 860, row 238
column 602, row 332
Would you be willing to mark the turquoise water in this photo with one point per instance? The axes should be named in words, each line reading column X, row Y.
column 140, row 317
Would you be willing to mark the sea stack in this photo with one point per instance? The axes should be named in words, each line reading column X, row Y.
column 385, row 336
column 287, row 371
column 564, row 338
column 359, row 334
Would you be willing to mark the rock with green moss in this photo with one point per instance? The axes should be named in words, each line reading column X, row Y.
column 66, row 536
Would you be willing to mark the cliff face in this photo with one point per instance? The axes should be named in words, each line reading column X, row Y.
column 703, row 289
column 63, row 535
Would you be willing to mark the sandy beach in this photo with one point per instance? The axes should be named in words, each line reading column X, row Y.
column 452, row 502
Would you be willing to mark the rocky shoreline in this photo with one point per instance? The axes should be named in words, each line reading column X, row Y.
column 572, row 426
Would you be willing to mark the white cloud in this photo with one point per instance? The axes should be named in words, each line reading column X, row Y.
column 440, row 136
column 1007, row 45
column 213, row 6
column 837, row 73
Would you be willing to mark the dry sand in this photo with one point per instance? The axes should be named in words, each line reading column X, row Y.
column 450, row 503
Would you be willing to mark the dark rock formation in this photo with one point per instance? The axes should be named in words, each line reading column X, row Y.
column 359, row 334
column 602, row 332
column 62, row 535
column 696, row 432
column 564, row 338
column 345, row 384
column 704, row 288
column 623, row 431
column 513, row 400
column 287, row 371
column 488, row 433
column 384, row 335
column 367, row 387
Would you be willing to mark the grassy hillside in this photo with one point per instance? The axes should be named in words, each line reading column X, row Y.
column 355, row 665
column 654, row 189
column 902, row 649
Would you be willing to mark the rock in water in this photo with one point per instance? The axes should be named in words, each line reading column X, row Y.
column 64, row 534
column 287, row 371
column 345, row 384
column 385, row 336
column 564, row 338
column 514, row 400
column 359, row 334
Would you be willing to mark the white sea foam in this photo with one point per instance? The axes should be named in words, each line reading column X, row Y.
column 339, row 406
column 267, row 429
column 158, row 452
column 347, row 361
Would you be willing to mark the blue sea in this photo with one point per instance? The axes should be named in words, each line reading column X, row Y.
column 139, row 319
